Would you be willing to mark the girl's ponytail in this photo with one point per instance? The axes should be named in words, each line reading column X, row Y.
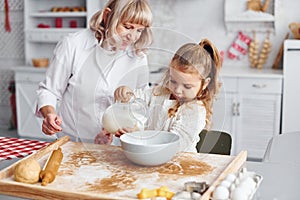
column 212, row 50
column 213, row 87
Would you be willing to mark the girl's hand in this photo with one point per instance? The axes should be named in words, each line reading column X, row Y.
column 103, row 137
column 51, row 124
column 123, row 94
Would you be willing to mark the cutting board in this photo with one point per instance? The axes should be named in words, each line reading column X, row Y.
column 90, row 171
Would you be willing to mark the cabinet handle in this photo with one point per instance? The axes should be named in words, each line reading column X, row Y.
column 259, row 85
column 293, row 49
column 234, row 109
column 238, row 109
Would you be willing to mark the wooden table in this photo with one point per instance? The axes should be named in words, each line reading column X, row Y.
column 90, row 171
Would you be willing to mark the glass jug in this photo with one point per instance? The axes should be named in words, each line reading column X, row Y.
column 125, row 115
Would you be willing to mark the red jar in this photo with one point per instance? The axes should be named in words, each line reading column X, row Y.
column 73, row 24
column 58, row 22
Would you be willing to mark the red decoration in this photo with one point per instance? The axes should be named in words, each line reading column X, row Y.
column 239, row 46
column 7, row 23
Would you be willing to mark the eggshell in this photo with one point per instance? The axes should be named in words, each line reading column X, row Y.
column 220, row 193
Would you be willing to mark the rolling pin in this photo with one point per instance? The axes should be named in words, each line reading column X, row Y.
column 49, row 172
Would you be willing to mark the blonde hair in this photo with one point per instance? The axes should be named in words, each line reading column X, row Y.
column 122, row 11
column 202, row 59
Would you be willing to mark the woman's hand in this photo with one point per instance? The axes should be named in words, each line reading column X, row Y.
column 123, row 94
column 103, row 137
column 51, row 123
column 125, row 130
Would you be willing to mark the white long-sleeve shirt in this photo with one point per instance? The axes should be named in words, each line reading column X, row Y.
column 81, row 80
column 187, row 123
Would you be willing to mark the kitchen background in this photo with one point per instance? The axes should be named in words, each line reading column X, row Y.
column 175, row 22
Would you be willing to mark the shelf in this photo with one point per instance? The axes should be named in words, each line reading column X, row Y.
column 48, row 35
column 54, row 30
column 41, row 24
column 239, row 18
column 59, row 14
column 250, row 16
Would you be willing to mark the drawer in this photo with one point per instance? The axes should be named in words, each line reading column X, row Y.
column 260, row 85
column 49, row 36
column 229, row 84
column 29, row 77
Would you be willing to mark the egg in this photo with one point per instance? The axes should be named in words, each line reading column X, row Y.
column 237, row 181
column 248, row 183
column 230, row 178
column 225, row 183
column 238, row 194
column 221, row 193
column 185, row 195
column 242, row 175
column 232, row 187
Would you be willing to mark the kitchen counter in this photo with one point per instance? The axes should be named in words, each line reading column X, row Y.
column 229, row 71
column 28, row 68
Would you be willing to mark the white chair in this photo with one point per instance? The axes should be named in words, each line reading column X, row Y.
column 284, row 148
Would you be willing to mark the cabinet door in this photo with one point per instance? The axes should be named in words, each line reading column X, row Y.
column 258, row 121
column 291, row 89
column 224, row 114
column 29, row 126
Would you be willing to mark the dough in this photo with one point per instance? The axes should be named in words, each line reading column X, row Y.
column 27, row 171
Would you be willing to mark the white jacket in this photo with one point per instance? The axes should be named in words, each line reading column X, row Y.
column 81, row 80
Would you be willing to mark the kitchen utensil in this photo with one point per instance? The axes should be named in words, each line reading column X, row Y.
column 122, row 115
column 49, row 172
column 279, row 54
column 295, row 28
column 150, row 147
column 40, row 62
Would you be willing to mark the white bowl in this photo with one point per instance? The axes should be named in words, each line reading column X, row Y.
column 150, row 148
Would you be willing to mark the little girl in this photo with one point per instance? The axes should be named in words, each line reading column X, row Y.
column 182, row 104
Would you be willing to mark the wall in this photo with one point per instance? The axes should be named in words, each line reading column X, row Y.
column 11, row 54
column 199, row 19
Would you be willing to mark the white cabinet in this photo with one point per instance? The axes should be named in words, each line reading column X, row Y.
column 249, row 108
column 291, row 89
column 42, row 25
column 26, row 81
